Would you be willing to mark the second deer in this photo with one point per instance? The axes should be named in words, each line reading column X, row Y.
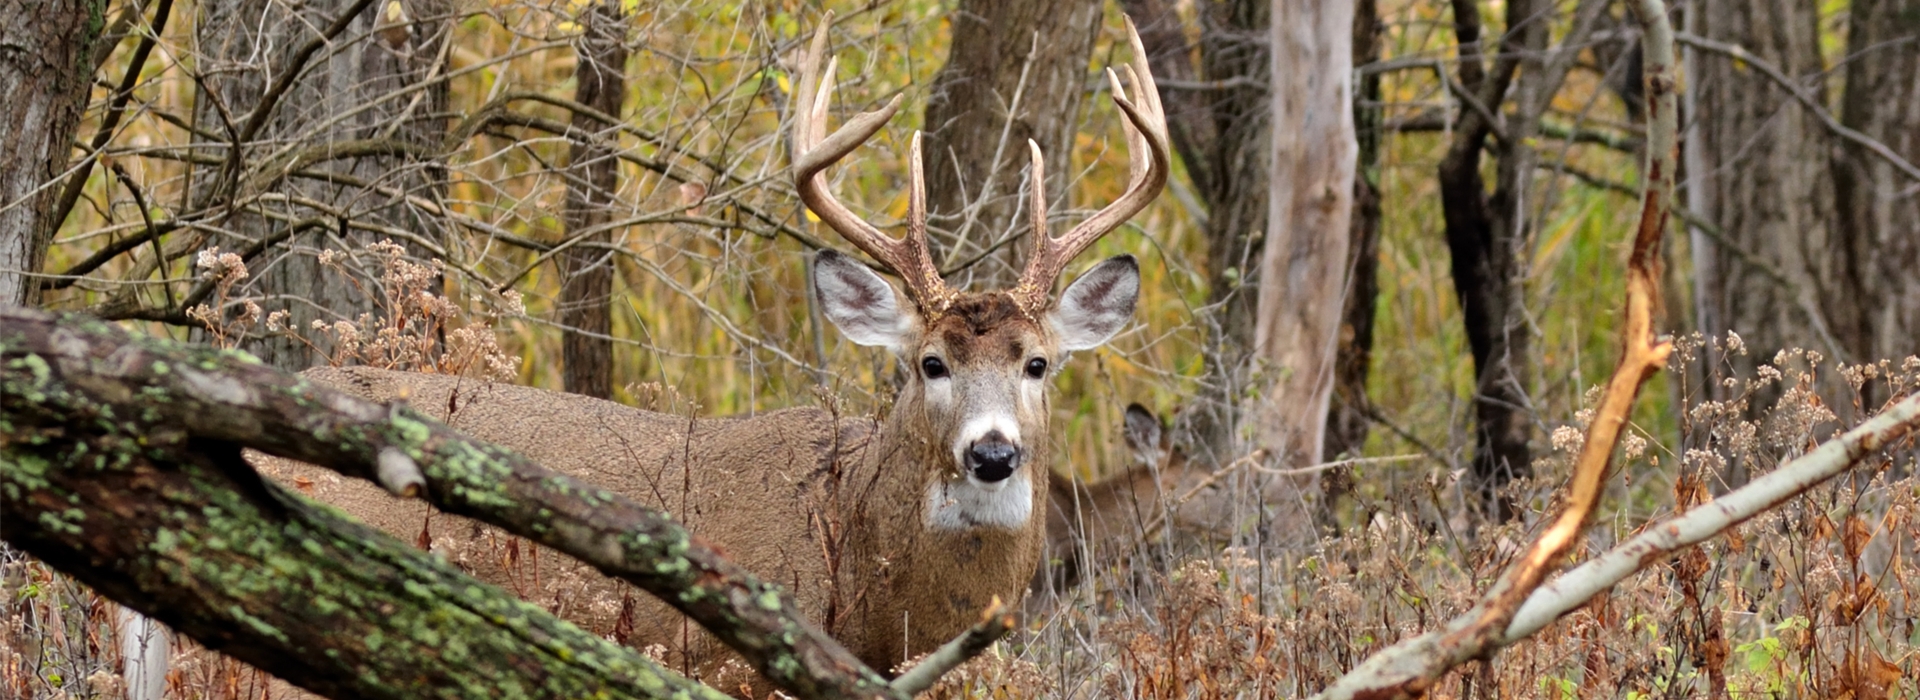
column 893, row 534
column 1160, row 494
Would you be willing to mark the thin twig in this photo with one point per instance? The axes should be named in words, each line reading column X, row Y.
column 1323, row 466
column 77, row 181
column 1801, row 95
column 1410, row 667
column 1576, row 587
column 995, row 623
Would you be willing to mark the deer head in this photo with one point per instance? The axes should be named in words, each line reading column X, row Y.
column 980, row 360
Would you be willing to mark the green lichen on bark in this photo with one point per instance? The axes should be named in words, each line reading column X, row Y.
column 228, row 399
column 184, row 531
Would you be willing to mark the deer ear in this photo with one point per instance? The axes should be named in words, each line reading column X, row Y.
column 859, row 302
column 1097, row 305
column 1142, row 429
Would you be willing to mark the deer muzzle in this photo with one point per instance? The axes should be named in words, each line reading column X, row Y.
column 992, row 458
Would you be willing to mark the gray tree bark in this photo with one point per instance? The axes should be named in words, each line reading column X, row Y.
column 1878, row 208
column 1223, row 136
column 593, row 183
column 1763, row 171
column 362, row 85
column 1016, row 70
column 1347, row 418
column 1303, row 265
column 46, row 70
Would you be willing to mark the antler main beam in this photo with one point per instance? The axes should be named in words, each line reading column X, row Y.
column 1146, row 127
column 814, row 151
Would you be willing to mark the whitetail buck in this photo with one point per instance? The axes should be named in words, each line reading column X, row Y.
column 893, row 534
column 1160, row 494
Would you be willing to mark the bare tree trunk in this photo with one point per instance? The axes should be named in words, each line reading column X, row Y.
column 1303, row 266
column 46, row 71
column 1879, row 209
column 1483, row 246
column 1763, row 166
column 1347, row 420
column 358, row 87
column 1222, row 136
column 593, row 182
column 1702, row 251
column 1489, row 235
column 1016, row 70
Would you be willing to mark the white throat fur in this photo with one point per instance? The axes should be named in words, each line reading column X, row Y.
column 965, row 503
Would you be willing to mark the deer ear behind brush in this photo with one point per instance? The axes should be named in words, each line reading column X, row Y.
column 1090, row 525
column 893, row 533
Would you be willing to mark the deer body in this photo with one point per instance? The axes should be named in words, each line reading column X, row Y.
column 794, row 495
column 892, row 534
column 1160, row 494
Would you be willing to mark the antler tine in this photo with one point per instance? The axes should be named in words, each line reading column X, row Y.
column 814, row 151
column 1146, row 128
column 1038, row 190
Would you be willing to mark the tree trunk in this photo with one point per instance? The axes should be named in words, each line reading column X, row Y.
column 1488, row 234
column 157, row 509
column 46, row 72
column 593, row 183
column 1878, row 256
column 1222, row 135
column 1763, row 166
column 1303, row 266
column 1347, row 420
column 1016, row 70
column 351, row 90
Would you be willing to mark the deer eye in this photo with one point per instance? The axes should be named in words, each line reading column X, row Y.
column 1037, row 368
column 933, row 367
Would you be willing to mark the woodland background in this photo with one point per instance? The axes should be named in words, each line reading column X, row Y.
column 594, row 197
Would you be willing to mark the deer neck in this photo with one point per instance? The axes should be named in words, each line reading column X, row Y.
column 929, row 550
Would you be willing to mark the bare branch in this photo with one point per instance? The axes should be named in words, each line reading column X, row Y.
column 995, row 623
column 1576, row 587
column 1410, row 667
column 1803, row 96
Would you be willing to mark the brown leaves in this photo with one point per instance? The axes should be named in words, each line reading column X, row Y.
column 1864, row 676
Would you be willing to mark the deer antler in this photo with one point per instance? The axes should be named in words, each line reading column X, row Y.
column 813, row 151
column 1146, row 127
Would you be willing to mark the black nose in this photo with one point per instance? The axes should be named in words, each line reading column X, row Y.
column 993, row 458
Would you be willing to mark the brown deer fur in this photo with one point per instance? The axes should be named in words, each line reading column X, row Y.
column 799, row 496
column 892, row 535
column 1098, row 523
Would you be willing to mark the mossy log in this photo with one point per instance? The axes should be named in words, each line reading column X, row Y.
column 120, row 465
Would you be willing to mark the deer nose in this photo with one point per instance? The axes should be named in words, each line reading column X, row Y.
column 992, row 458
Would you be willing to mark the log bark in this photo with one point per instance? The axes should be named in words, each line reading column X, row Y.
column 46, row 70
column 81, row 396
column 593, row 184
column 1016, row 70
column 182, row 530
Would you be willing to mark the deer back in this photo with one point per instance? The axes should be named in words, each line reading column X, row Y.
column 749, row 486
